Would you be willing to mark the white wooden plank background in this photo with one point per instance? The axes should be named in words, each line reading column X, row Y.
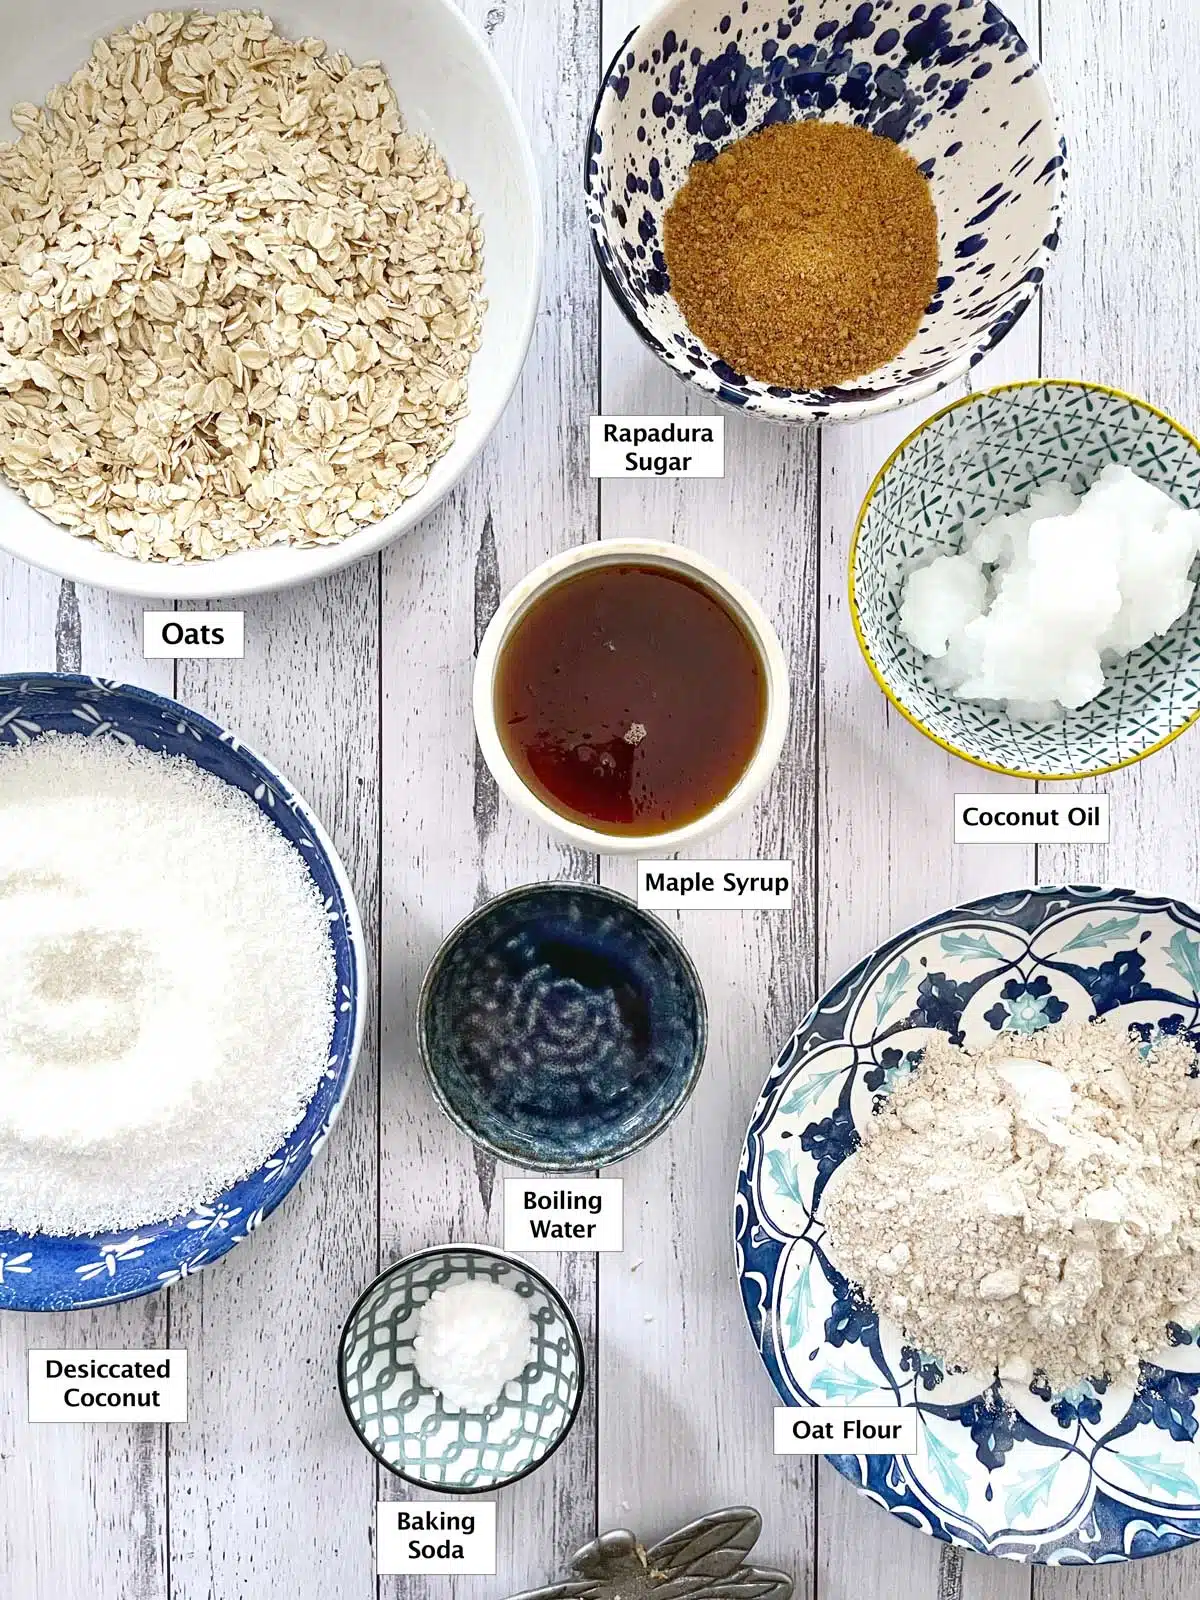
column 358, row 688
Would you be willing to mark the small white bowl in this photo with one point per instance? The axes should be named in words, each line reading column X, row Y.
column 723, row 588
column 449, row 87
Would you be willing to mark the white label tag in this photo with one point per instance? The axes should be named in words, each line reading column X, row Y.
column 429, row 1536
column 108, row 1386
column 172, row 634
column 715, row 885
column 1054, row 818
column 564, row 1214
column 846, row 1431
column 658, row 447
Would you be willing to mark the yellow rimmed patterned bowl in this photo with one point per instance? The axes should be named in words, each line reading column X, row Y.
column 986, row 455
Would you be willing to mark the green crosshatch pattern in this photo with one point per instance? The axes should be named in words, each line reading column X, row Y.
column 984, row 457
column 406, row 1424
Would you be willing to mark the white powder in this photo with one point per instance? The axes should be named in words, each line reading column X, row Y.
column 472, row 1337
column 166, row 986
column 1036, row 604
column 1032, row 1207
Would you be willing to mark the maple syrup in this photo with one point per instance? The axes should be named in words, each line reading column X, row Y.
column 630, row 699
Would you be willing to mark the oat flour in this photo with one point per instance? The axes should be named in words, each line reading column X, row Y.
column 1031, row 1208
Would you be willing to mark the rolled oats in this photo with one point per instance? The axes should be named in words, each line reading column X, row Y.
column 238, row 299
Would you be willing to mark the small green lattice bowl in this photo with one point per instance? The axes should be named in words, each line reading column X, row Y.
column 976, row 459
column 405, row 1425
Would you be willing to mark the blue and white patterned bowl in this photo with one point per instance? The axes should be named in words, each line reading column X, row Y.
column 1094, row 1475
column 955, row 85
column 985, row 455
column 562, row 1027
column 41, row 1272
column 405, row 1425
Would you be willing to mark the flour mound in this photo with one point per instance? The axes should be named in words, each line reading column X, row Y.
column 1033, row 1207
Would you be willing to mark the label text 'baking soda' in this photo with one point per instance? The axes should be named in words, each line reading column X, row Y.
column 715, row 885
column 1031, row 819
column 564, row 1214
column 658, row 447
column 430, row 1537
column 846, row 1431
column 108, row 1386
column 174, row 634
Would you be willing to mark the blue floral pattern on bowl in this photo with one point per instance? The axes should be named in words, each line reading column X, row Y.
column 986, row 455
column 955, row 85
column 1098, row 1474
column 41, row 1272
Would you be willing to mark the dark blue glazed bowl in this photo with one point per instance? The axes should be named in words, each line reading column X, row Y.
column 954, row 85
column 561, row 1027
column 43, row 1272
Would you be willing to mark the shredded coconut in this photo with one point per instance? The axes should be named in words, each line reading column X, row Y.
column 166, row 986
column 472, row 1338
column 1033, row 1207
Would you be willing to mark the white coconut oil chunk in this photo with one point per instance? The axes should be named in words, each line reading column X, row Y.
column 1039, row 603
column 472, row 1338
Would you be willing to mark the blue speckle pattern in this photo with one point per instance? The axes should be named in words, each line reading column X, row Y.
column 1100, row 1473
column 562, row 1027
column 954, row 84
column 40, row 1272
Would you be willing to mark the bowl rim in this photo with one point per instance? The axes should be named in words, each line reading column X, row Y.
column 610, row 897
column 552, row 1292
column 729, row 593
column 354, row 931
column 976, row 396
column 199, row 580
column 772, row 408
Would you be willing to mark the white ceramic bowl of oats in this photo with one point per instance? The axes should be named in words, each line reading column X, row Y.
column 448, row 90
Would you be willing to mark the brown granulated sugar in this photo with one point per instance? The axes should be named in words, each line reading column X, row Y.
column 805, row 254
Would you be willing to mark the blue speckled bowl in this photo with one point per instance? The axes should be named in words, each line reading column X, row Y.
column 405, row 1425
column 561, row 1027
column 39, row 1272
column 955, row 85
column 1095, row 1475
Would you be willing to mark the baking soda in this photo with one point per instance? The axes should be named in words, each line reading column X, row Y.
column 472, row 1338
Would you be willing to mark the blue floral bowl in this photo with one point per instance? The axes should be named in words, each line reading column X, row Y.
column 405, row 1424
column 561, row 1027
column 1094, row 1475
column 42, row 1272
column 955, row 85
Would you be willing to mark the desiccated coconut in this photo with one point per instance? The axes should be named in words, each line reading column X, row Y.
column 166, row 986
column 1039, row 602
